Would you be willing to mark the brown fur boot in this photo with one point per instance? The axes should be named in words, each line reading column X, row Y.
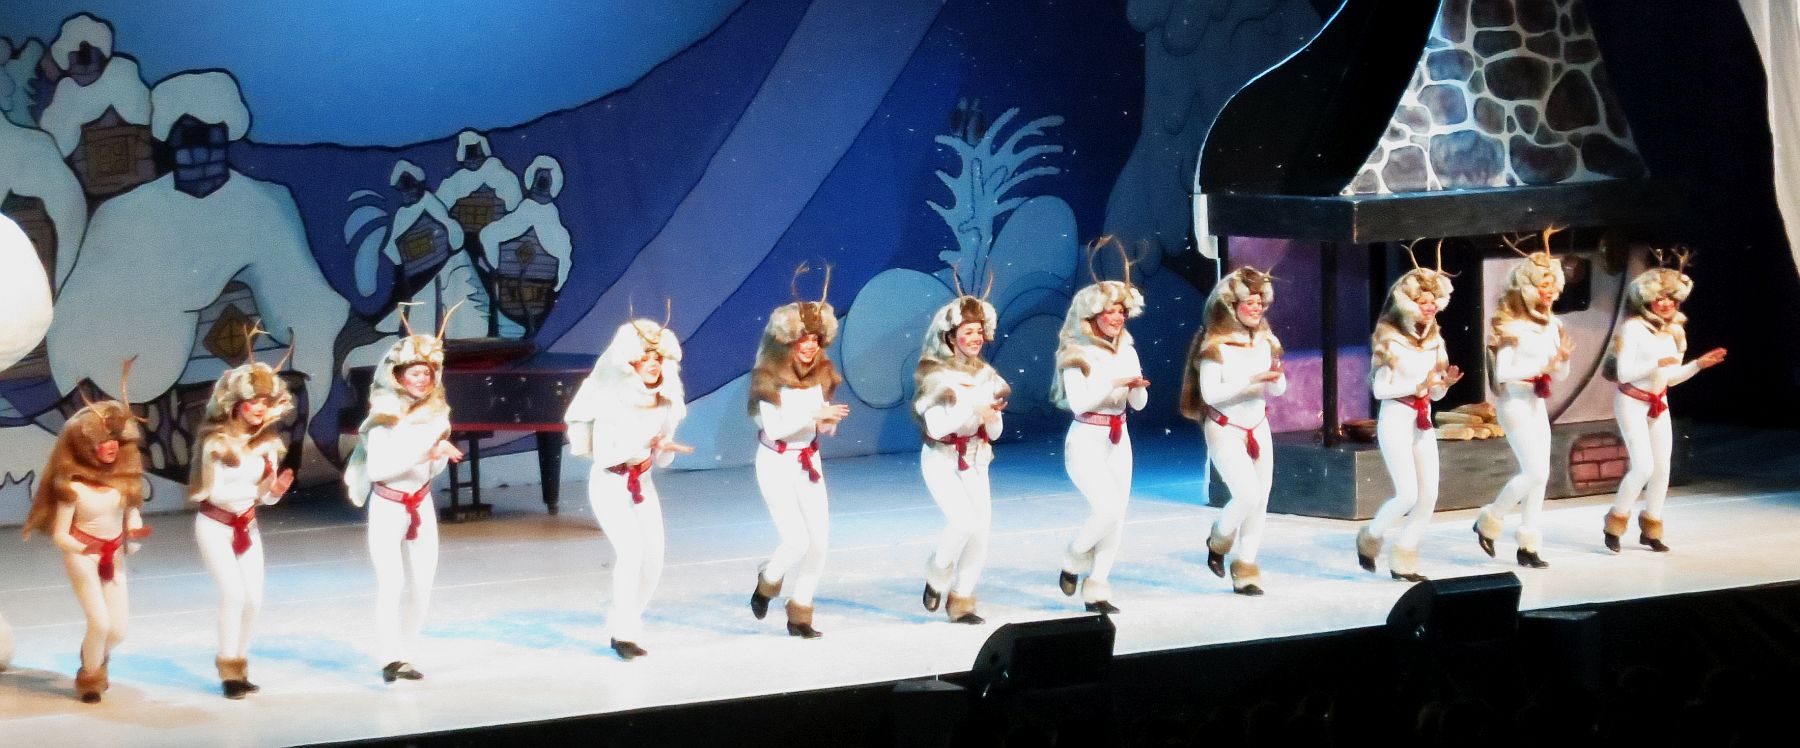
column 1368, row 547
column 1246, row 578
column 1650, row 533
column 760, row 597
column 1217, row 546
column 1403, row 564
column 90, row 683
column 961, row 609
column 1487, row 528
column 234, row 676
column 800, row 618
column 1614, row 529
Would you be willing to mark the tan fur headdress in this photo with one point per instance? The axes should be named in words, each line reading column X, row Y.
column 789, row 323
column 390, row 403
column 963, row 309
column 248, row 381
column 1656, row 283
column 1078, row 323
column 630, row 344
column 74, row 459
column 1401, row 318
column 1222, row 327
column 1519, row 300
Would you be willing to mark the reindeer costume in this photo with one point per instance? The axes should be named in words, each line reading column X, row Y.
column 958, row 401
column 1232, row 370
column 88, row 501
column 790, row 402
column 1528, row 349
column 1409, row 369
column 404, row 445
column 1645, row 359
column 1097, row 379
column 236, row 468
column 628, row 426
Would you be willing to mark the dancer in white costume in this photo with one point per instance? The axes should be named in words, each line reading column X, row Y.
column 624, row 417
column 1097, row 378
column 958, row 399
column 1527, row 350
column 790, row 401
column 25, row 312
column 1408, row 370
column 88, row 499
column 1233, row 367
column 405, row 443
column 1645, row 359
column 236, row 469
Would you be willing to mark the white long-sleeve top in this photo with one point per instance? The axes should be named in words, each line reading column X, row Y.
column 1640, row 348
column 614, row 423
column 237, row 488
column 396, row 454
column 1529, row 355
column 1226, row 386
column 792, row 420
column 1404, row 367
column 950, row 407
column 1095, row 391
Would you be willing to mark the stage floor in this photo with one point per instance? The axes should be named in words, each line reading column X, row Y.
column 516, row 625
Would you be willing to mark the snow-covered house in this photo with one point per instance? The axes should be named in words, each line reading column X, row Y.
column 99, row 113
column 529, row 248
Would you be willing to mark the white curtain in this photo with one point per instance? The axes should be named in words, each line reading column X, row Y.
column 1776, row 26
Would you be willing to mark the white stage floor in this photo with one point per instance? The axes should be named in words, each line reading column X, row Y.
column 516, row 628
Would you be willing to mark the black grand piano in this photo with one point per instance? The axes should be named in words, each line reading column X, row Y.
column 495, row 386
column 1315, row 149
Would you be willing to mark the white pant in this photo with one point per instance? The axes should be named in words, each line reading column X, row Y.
column 802, row 516
column 1649, row 441
column 105, row 604
column 1526, row 419
column 1411, row 455
column 1248, row 481
column 636, row 534
column 6, row 644
column 1101, row 470
column 968, row 512
column 395, row 557
column 239, row 578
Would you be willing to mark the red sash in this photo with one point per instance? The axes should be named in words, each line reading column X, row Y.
column 1540, row 385
column 239, row 524
column 806, row 453
column 1114, row 423
column 1250, row 446
column 1421, row 406
column 962, row 445
column 410, row 501
column 106, row 549
column 1659, row 401
column 632, row 474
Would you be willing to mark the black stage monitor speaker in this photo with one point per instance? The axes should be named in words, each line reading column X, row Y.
column 1044, row 654
column 1462, row 609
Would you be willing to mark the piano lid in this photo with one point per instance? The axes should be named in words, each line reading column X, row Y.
column 1473, row 116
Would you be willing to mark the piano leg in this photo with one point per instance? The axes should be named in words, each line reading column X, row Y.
column 549, row 452
column 457, row 511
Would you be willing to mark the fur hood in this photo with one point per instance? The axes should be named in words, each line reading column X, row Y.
column 389, row 403
column 947, row 318
column 1401, row 320
column 1649, row 286
column 1221, row 327
column 246, row 382
column 617, row 380
column 939, row 366
column 1078, row 329
column 774, row 368
column 1519, row 298
column 73, row 459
